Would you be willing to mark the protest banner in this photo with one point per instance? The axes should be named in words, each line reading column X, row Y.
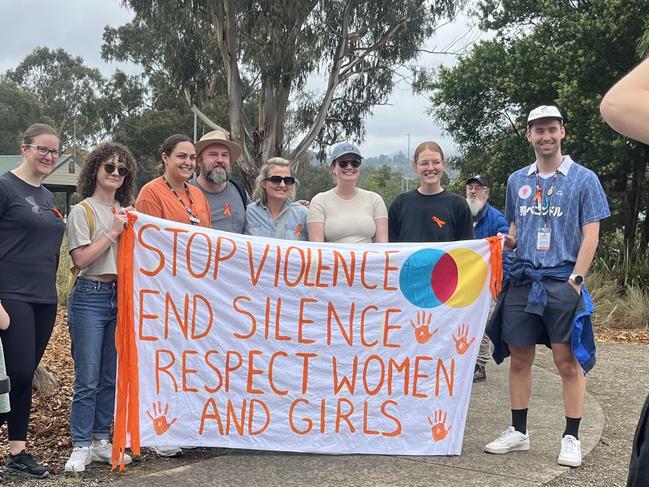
column 238, row 341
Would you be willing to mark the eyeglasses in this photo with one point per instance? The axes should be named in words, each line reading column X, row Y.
column 475, row 187
column 109, row 167
column 43, row 151
column 288, row 180
column 353, row 162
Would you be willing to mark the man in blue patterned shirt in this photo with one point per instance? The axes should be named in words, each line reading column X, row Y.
column 553, row 207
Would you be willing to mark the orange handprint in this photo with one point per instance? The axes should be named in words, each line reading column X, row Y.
column 439, row 428
column 461, row 343
column 422, row 334
column 159, row 418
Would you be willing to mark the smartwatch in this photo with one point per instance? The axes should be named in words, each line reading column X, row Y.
column 577, row 279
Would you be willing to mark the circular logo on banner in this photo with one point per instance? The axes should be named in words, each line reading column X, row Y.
column 432, row 277
column 525, row 192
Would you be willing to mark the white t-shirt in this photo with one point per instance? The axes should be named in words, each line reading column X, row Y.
column 347, row 221
column 79, row 234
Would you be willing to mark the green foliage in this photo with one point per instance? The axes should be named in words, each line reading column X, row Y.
column 143, row 134
column 560, row 53
column 384, row 181
column 66, row 89
column 629, row 266
column 18, row 109
column 314, row 179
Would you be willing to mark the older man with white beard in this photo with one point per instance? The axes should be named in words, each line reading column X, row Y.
column 227, row 198
column 487, row 222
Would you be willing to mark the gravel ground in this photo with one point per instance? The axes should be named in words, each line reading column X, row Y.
column 620, row 384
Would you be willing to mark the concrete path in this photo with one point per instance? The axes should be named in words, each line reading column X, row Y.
column 488, row 416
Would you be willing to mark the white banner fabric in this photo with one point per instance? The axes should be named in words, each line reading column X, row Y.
column 267, row 344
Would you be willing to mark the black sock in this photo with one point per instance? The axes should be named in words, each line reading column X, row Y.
column 519, row 420
column 572, row 427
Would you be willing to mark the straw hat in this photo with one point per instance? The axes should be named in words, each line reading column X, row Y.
column 218, row 137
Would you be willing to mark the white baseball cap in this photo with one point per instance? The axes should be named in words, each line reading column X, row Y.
column 544, row 111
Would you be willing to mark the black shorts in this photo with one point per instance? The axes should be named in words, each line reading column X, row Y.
column 523, row 329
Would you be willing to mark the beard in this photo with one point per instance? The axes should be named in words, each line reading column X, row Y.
column 475, row 205
column 218, row 175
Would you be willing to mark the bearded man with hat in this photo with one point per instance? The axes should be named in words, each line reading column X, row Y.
column 227, row 198
column 553, row 207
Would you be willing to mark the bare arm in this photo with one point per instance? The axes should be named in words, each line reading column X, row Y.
column 316, row 231
column 85, row 255
column 626, row 105
column 589, row 241
column 381, row 235
column 4, row 318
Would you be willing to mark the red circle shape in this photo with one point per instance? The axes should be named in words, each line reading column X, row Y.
column 443, row 278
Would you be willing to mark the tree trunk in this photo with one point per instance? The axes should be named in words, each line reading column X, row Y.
column 644, row 237
column 44, row 381
column 633, row 198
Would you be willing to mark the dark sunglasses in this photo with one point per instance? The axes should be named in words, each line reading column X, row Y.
column 288, row 180
column 109, row 167
column 353, row 162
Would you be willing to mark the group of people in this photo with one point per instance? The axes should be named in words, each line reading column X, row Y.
column 550, row 227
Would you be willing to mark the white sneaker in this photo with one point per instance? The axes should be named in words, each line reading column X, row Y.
column 168, row 451
column 102, row 451
column 509, row 440
column 78, row 460
column 570, row 455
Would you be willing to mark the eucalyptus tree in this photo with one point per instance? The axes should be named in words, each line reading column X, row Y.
column 260, row 56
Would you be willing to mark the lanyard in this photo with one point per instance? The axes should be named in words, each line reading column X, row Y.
column 193, row 218
column 543, row 201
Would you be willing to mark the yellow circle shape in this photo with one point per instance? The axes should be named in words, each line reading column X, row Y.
column 471, row 277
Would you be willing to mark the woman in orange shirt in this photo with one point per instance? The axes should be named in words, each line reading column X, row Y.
column 169, row 196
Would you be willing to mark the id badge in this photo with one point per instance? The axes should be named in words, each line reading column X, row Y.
column 543, row 239
column 194, row 220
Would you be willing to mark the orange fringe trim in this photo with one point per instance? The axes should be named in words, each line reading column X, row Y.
column 496, row 261
column 127, row 415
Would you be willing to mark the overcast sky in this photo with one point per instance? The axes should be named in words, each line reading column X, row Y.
column 77, row 27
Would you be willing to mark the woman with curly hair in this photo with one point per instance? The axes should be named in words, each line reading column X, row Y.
column 106, row 183
column 31, row 230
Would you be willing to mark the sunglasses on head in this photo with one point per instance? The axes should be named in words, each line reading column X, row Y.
column 288, row 180
column 109, row 167
column 353, row 162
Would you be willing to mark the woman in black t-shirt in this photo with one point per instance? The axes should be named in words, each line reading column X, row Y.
column 429, row 213
column 32, row 231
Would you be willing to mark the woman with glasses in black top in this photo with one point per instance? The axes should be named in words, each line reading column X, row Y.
column 32, row 230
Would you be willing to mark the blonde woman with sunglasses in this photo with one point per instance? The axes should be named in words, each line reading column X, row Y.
column 94, row 226
column 273, row 212
column 347, row 213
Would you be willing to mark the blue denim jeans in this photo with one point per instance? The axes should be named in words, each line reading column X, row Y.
column 92, row 313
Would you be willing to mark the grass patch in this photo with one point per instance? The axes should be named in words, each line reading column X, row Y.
column 63, row 273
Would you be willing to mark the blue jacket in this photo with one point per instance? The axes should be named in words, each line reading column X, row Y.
column 583, row 339
column 490, row 223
